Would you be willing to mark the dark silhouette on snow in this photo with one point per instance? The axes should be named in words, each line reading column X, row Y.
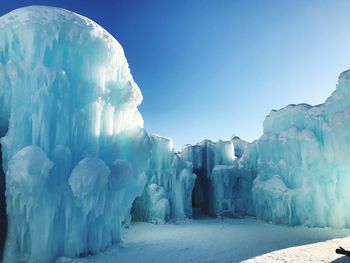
column 3, row 216
column 342, row 251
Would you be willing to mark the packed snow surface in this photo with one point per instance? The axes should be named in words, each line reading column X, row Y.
column 223, row 240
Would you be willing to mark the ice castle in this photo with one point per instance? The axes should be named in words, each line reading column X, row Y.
column 77, row 164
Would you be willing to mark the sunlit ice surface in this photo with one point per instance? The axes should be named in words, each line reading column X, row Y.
column 72, row 130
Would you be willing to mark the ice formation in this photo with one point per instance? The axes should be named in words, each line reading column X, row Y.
column 201, row 176
column 75, row 154
column 74, row 150
column 223, row 186
column 302, row 162
column 205, row 176
column 168, row 195
column 239, row 146
column 296, row 173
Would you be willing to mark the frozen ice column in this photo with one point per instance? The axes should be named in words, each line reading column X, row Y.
column 75, row 152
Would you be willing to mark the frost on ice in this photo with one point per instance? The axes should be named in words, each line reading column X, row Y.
column 74, row 151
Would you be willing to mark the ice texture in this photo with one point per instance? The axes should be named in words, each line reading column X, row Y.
column 206, row 176
column 302, row 163
column 168, row 194
column 74, row 151
column 75, row 154
column 296, row 173
column 240, row 146
column 221, row 186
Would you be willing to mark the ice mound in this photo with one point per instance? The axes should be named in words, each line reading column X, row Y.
column 74, row 150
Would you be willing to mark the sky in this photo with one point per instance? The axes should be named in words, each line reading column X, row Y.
column 211, row 69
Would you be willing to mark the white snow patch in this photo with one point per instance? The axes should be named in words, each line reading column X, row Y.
column 228, row 240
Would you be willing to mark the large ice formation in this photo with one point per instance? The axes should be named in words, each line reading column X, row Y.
column 297, row 172
column 302, row 163
column 74, row 150
column 75, row 155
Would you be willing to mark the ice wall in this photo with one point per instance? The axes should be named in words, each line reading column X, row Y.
column 302, row 162
column 206, row 176
column 168, row 194
column 222, row 185
column 296, row 173
column 75, row 153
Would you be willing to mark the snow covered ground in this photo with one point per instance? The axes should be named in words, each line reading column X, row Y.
column 206, row 239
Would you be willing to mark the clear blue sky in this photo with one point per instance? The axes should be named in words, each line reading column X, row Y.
column 210, row 69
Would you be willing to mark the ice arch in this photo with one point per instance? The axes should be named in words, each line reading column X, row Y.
column 69, row 124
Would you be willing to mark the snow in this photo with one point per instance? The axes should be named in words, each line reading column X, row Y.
column 207, row 239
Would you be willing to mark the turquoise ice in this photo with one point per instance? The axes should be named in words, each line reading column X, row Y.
column 79, row 165
column 74, row 149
